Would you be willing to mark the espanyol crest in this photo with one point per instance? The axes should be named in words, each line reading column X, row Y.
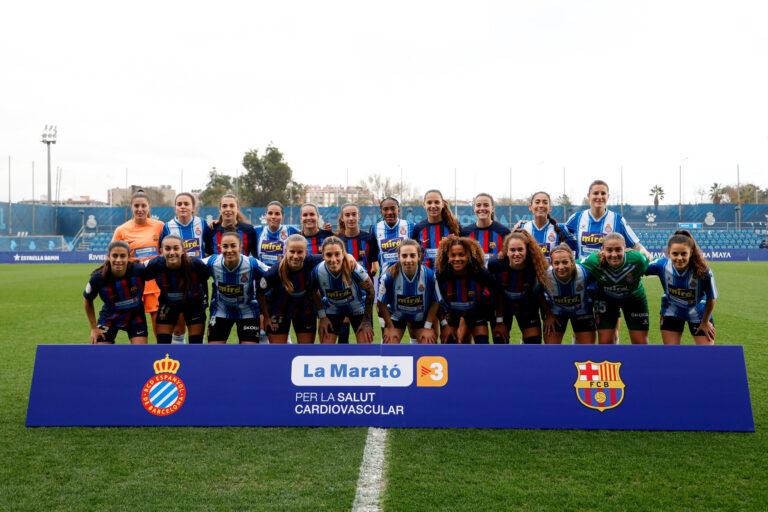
column 599, row 385
column 164, row 394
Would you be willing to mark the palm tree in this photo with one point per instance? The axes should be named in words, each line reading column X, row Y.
column 716, row 193
column 657, row 191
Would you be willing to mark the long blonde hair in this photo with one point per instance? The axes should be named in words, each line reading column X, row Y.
column 282, row 269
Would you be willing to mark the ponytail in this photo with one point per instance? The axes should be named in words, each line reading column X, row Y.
column 445, row 213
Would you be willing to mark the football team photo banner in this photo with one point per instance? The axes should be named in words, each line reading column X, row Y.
column 438, row 386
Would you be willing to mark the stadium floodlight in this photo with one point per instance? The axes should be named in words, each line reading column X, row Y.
column 48, row 138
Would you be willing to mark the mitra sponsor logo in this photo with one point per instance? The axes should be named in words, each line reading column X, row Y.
column 352, row 371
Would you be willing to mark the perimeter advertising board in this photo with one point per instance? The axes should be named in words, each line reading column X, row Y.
column 512, row 386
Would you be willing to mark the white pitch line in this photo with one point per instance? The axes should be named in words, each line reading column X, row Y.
column 370, row 483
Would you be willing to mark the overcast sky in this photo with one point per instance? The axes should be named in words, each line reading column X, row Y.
column 429, row 87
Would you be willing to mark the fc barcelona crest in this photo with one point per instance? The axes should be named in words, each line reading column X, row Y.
column 599, row 385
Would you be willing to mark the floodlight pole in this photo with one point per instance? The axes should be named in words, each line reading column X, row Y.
column 49, row 137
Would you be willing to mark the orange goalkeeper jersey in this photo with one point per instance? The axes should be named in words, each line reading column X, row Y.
column 144, row 241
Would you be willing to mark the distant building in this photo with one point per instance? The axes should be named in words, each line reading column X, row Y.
column 72, row 201
column 158, row 196
column 330, row 195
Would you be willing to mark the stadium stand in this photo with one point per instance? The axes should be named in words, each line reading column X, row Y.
column 706, row 238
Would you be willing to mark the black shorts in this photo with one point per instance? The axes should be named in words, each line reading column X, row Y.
column 338, row 320
column 247, row 329
column 301, row 324
column 580, row 323
column 607, row 313
column 526, row 318
column 194, row 313
column 136, row 327
column 411, row 324
column 674, row 324
column 471, row 318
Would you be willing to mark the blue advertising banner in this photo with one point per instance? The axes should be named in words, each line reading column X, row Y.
column 99, row 257
column 53, row 257
column 437, row 386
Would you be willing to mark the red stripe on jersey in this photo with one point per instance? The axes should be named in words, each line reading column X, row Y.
column 438, row 235
column 245, row 242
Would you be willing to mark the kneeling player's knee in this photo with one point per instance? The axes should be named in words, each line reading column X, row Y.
column 195, row 338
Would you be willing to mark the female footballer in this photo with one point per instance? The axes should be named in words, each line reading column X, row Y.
column 486, row 230
column 520, row 271
column 569, row 295
column 310, row 227
column 408, row 296
column 234, row 292
column 389, row 233
column 439, row 223
column 619, row 273
column 183, row 284
column 343, row 290
column 192, row 230
column 142, row 233
column 689, row 291
column 230, row 219
column 360, row 244
column 120, row 285
column 285, row 296
column 590, row 226
column 270, row 239
column 544, row 228
column 468, row 290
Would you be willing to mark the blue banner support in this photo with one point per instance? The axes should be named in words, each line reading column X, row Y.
column 439, row 386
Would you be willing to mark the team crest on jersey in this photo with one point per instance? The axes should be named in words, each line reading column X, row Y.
column 283, row 235
column 579, row 287
column 421, row 287
column 629, row 277
column 165, row 393
column 599, row 385
column 551, row 237
column 198, row 231
column 492, row 245
column 608, row 228
column 244, row 278
column 692, row 283
column 403, row 231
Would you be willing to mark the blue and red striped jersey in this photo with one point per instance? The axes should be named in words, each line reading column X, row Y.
column 121, row 296
column 466, row 293
column 429, row 236
column 489, row 238
column 212, row 238
column 171, row 281
column 364, row 248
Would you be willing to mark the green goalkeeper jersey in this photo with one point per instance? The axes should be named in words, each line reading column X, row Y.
column 622, row 282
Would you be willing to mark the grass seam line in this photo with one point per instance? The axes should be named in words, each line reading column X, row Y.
column 370, row 483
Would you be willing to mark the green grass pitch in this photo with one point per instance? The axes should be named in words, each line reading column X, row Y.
column 316, row 469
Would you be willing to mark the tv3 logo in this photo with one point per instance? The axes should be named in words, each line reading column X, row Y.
column 431, row 371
